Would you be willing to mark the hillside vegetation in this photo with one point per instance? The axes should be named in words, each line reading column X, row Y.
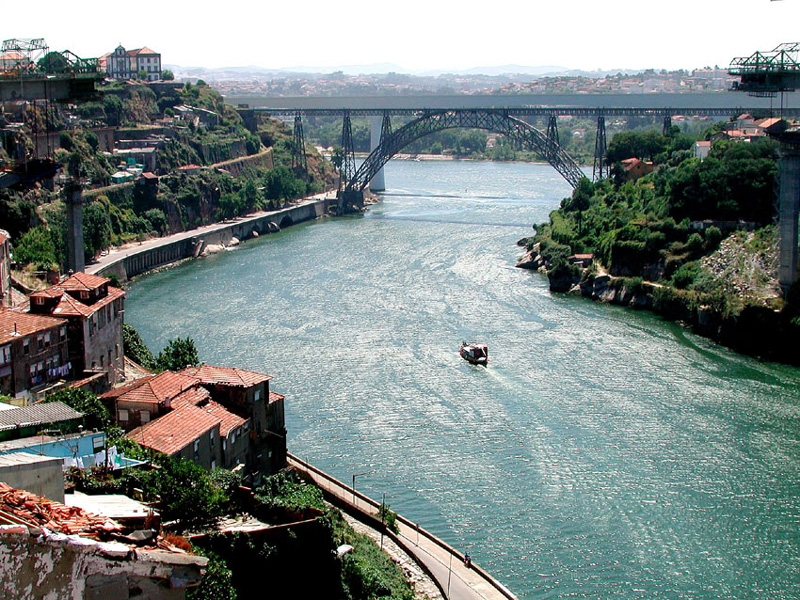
column 215, row 183
column 694, row 241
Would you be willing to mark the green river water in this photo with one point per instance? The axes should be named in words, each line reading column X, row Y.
column 603, row 453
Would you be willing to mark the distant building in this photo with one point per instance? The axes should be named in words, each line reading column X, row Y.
column 633, row 168
column 127, row 64
column 701, row 149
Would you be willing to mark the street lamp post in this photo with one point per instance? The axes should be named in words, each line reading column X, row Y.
column 354, row 482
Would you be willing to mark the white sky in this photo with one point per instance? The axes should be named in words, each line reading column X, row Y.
column 416, row 35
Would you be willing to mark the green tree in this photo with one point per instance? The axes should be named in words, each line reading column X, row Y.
column 217, row 582
column 167, row 75
column 36, row 247
column 185, row 490
column 96, row 415
column 157, row 219
column 96, row 229
column 135, row 348
column 54, row 62
column 281, row 184
column 178, row 354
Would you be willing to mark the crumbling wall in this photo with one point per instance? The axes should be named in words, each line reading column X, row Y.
column 37, row 564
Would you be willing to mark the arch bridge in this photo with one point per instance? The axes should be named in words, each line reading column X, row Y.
column 516, row 130
column 508, row 121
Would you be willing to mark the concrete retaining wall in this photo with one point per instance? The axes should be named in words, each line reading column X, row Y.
column 136, row 263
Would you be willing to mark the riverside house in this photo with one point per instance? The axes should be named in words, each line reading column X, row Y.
column 94, row 313
column 33, row 353
column 213, row 416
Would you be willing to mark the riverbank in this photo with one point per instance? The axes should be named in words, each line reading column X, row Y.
column 454, row 578
column 757, row 330
column 131, row 260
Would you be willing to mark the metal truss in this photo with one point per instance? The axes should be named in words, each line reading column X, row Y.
column 349, row 159
column 386, row 126
column 552, row 129
column 667, row 124
column 299, row 147
column 496, row 121
column 600, row 169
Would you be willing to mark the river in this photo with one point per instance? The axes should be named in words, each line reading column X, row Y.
column 603, row 453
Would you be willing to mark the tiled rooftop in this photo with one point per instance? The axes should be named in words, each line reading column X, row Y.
column 82, row 281
column 226, row 376
column 153, row 389
column 15, row 324
column 36, row 414
column 175, row 430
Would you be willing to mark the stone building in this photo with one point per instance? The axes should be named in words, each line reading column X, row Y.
column 247, row 393
column 94, row 312
column 127, row 64
column 33, row 353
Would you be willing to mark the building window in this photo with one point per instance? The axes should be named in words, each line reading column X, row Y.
column 196, row 446
column 26, row 347
column 213, row 465
column 63, row 333
column 47, row 339
column 145, row 416
column 258, row 396
column 39, row 342
column 123, row 415
column 211, row 437
column 224, row 444
column 98, row 443
column 5, row 354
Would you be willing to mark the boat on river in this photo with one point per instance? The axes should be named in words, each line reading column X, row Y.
column 476, row 354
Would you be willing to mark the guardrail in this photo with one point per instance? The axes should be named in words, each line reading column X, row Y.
column 398, row 538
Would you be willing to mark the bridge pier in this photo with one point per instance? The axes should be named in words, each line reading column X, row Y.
column 789, row 211
column 350, row 201
column 378, row 182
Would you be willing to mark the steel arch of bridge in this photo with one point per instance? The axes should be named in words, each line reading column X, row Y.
column 491, row 120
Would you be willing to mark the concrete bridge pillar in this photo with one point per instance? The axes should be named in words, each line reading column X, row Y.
column 73, row 198
column 789, row 211
column 377, row 183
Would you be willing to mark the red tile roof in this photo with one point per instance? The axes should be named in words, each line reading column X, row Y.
column 153, row 389
column 69, row 306
column 228, row 376
column 273, row 397
column 175, row 430
column 228, row 420
column 144, row 50
column 34, row 515
column 3, row 236
column 82, row 281
column 34, row 510
column 51, row 292
column 15, row 324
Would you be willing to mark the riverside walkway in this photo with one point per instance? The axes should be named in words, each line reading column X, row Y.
column 105, row 262
column 442, row 562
